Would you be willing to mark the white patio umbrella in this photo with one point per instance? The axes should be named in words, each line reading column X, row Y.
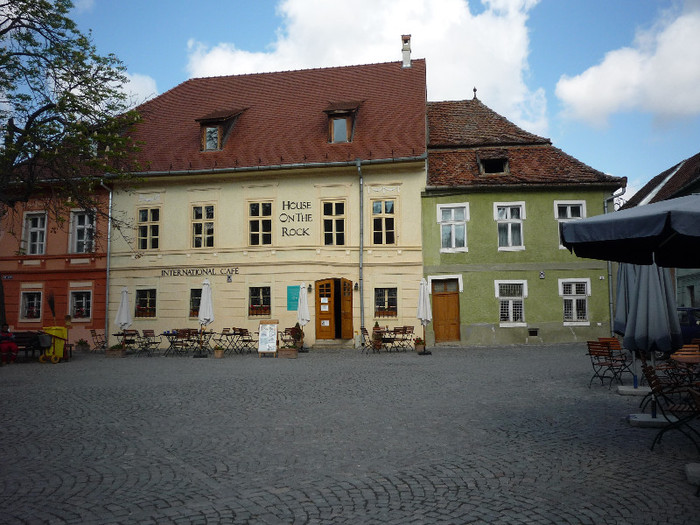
column 303, row 316
column 424, row 314
column 206, row 305
column 124, row 318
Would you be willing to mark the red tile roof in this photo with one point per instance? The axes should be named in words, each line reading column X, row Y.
column 283, row 120
column 678, row 180
column 463, row 132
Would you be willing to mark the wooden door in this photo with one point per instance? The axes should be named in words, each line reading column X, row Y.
column 446, row 310
column 325, row 311
column 346, row 309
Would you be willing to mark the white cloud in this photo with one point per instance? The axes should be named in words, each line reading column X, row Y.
column 658, row 74
column 83, row 5
column 460, row 47
column 139, row 88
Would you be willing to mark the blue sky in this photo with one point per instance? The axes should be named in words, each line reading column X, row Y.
column 614, row 83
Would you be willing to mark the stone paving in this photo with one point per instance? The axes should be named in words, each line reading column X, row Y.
column 468, row 435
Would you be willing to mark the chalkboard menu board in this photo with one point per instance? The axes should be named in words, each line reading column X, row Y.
column 267, row 338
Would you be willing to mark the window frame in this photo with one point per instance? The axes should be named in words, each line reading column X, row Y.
column 560, row 221
column 258, row 309
column 75, row 228
column 72, row 302
column 195, row 302
column 148, row 224
column 24, row 307
column 28, row 230
column 204, row 235
column 333, row 218
column 205, row 137
column 260, row 221
column 383, row 216
column 383, row 308
column 575, row 297
column 510, row 222
column 452, row 223
column 149, row 310
column 510, row 323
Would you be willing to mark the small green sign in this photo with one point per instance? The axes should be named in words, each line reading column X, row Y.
column 292, row 298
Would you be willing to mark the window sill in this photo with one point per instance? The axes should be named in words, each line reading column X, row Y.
column 511, row 248
column 577, row 323
column 512, row 325
column 454, row 250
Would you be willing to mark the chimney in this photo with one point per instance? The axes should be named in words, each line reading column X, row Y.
column 406, row 50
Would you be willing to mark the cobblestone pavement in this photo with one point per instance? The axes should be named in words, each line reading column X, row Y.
column 486, row 435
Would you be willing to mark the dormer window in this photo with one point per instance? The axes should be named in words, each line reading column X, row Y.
column 216, row 127
column 341, row 121
column 492, row 162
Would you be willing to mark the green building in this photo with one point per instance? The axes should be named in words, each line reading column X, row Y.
column 492, row 207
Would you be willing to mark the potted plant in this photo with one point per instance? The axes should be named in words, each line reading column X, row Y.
column 419, row 344
column 376, row 337
column 218, row 352
column 298, row 336
column 82, row 345
column 115, row 351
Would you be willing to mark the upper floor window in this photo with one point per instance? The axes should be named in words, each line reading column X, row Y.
column 216, row 127
column 341, row 121
column 383, row 221
column 212, row 138
column 509, row 217
column 260, row 223
column 565, row 211
column 511, row 300
column 148, row 228
column 34, row 238
column 82, row 235
column 574, row 293
column 203, row 226
column 334, row 223
column 452, row 219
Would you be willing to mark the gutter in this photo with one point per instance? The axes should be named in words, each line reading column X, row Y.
column 109, row 258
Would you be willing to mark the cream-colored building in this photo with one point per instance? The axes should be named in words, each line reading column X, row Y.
column 262, row 183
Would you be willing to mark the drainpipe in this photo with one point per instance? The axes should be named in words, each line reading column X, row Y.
column 358, row 162
column 109, row 258
column 610, row 286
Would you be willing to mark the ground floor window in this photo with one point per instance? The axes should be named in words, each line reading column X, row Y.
column 195, row 300
column 81, row 305
column 30, row 306
column 385, row 303
column 511, row 302
column 145, row 303
column 574, row 293
column 259, row 301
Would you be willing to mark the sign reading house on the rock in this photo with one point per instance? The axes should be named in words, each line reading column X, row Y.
column 198, row 272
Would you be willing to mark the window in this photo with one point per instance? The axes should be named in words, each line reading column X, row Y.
column 574, row 293
column 385, row 302
column 148, row 228
column 341, row 120
column 30, row 306
column 490, row 166
column 211, row 138
column 383, row 225
column 81, row 305
column 565, row 211
column 203, row 226
column 511, row 302
column 145, row 303
column 195, row 300
column 340, row 131
column 259, row 303
column 334, row 223
column 34, row 233
column 82, row 232
column 452, row 219
column 260, row 223
column 509, row 216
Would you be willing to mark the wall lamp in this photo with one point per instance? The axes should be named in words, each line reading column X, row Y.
column 357, row 286
column 309, row 288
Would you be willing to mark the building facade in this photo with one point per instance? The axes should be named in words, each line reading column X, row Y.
column 494, row 200
column 261, row 183
column 53, row 271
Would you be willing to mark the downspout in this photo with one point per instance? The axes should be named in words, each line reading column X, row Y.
column 610, row 283
column 109, row 258
column 358, row 162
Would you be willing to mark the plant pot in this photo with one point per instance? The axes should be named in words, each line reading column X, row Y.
column 420, row 348
column 82, row 348
column 218, row 353
column 288, row 353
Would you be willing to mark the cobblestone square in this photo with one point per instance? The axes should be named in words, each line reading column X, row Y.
column 465, row 435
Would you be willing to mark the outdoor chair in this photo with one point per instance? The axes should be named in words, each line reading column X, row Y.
column 605, row 364
column 367, row 343
column 98, row 341
column 130, row 339
column 246, row 342
column 677, row 405
column 148, row 343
